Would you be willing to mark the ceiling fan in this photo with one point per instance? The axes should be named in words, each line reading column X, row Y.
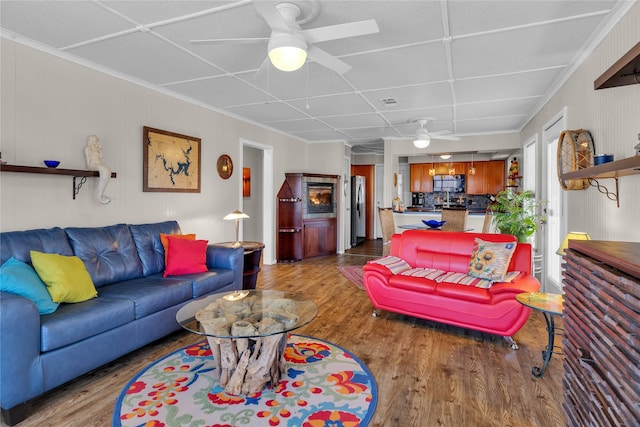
column 289, row 45
column 423, row 136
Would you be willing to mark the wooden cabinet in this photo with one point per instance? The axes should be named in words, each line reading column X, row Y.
column 300, row 235
column 494, row 177
column 489, row 177
column 320, row 237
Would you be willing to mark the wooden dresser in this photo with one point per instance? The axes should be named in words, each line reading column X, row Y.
column 601, row 344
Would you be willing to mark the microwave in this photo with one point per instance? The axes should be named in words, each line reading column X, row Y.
column 450, row 183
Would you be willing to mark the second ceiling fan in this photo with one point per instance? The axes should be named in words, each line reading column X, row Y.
column 290, row 46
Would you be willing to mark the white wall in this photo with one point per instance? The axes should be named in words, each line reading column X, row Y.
column 613, row 118
column 50, row 106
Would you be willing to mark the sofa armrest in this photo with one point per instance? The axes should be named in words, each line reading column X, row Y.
column 378, row 268
column 506, row 290
column 20, row 368
column 225, row 257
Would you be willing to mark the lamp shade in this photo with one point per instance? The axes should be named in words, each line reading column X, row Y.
column 572, row 235
column 422, row 139
column 287, row 52
column 235, row 215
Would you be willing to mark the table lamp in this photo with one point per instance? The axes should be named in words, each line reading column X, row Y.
column 237, row 216
column 572, row 235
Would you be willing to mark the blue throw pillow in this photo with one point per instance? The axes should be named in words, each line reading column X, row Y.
column 19, row 278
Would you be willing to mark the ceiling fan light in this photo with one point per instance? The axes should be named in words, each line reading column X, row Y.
column 422, row 139
column 287, row 53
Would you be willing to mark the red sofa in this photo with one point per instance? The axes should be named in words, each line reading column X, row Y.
column 491, row 309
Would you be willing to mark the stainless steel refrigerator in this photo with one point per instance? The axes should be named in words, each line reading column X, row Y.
column 358, row 210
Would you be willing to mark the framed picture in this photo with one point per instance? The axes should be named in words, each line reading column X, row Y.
column 170, row 162
column 246, row 182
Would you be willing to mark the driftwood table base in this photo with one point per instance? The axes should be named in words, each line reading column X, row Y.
column 249, row 365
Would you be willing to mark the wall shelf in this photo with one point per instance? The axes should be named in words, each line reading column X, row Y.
column 626, row 71
column 612, row 170
column 75, row 173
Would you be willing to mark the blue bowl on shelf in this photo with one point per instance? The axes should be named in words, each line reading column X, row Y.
column 432, row 223
column 51, row 163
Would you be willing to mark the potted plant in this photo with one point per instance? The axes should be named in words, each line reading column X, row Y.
column 517, row 214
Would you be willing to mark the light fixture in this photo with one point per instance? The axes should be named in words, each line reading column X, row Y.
column 445, row 156
column 432, row 170
column 422, row 139
column 472, row 170
column 572, row 235
column 452, row 170
column 287, row 52
column 237, row 216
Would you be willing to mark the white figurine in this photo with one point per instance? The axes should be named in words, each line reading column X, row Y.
column 93, row 153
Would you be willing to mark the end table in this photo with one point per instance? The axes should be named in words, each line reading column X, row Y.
column 550, row 305
column 252, row 256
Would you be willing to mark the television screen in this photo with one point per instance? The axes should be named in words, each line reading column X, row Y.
column 320, row 197
column 451, row 183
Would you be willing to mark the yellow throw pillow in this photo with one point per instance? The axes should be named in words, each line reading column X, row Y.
column 66, row 277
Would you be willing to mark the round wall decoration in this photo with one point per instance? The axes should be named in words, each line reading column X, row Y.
column 225, row 166
column 575, row 151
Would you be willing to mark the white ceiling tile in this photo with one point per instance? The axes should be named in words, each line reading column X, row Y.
column 355, row 121
column 496, row 108
column 333, row 105
column 267, row 112
column 411, row 97
column 221, row 92
column 495, row 125
column 302, row 125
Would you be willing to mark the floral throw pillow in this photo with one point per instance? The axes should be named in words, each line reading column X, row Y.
column 490, row 260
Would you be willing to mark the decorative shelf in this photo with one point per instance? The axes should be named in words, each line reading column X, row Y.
column 611, row 170
column 626, row 71
column 75, row 173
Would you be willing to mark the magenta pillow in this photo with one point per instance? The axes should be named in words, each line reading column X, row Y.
column 186, row 256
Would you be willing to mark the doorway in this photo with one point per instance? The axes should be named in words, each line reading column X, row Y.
column 261, row 156
column 556, row 219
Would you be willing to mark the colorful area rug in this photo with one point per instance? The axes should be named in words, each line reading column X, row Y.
column 324, row 386
column 354, row 273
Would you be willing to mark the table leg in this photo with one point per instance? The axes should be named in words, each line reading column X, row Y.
column 546, row 354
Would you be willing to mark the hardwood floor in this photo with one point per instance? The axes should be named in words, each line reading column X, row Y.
column 428, row 374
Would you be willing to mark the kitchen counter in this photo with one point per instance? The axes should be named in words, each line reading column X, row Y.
column 475, row 220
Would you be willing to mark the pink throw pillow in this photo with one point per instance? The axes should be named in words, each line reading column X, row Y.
column 185, row 256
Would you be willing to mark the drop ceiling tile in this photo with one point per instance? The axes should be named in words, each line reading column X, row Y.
column 301, row 125
column 309, row 81
column 221, row 92
column 398, row 67
column 150, row 11
column 146, row 57
column 267, row 112
column 369, row 134
column 333, row 105
column 495, row 125
column 520, row 50
column 496, row 108
column 505, row 87
column 411, row 97
column 355, row 121
column 469, row 17
column 59, row 23
column 321, row 136
column 441, row 114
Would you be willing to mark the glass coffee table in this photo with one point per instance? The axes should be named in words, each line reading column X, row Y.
column 247, row 333
column 550, row 305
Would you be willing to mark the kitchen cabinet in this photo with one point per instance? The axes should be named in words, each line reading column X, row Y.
column 494, row 177
column 489, row 177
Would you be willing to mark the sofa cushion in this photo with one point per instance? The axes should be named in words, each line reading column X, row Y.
column 394, row 264
column 185, row 256
column 464, row 279
column 490, row 260
column 18, row 244
column 427, row 273
column 18, row 278
column 211, row 281
column 74, row 322
column 66, row 277
column 108, row 253
column 410, row 283
column 464, row 292
column 152, row 293
column 147, row 240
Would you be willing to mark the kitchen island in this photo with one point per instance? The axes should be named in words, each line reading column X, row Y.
column 475, row 219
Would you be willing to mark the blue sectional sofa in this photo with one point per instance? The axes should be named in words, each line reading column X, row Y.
column 135, row 305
